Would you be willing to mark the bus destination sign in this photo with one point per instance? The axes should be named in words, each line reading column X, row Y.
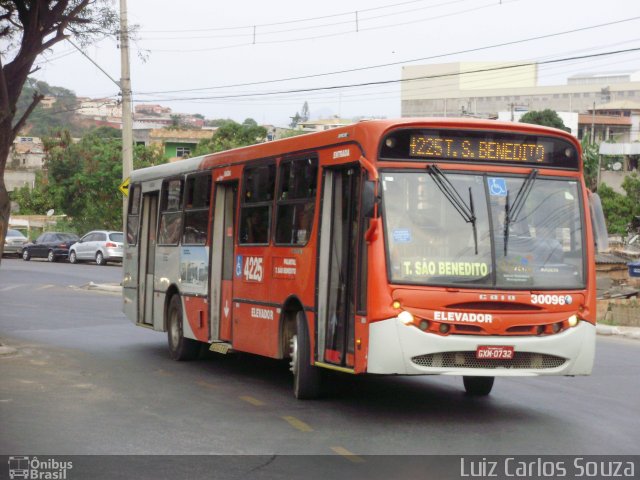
column 476, row 149
column 480, row 146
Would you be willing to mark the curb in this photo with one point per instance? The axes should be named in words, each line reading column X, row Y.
column 628, row 332
column 104, row 287
column 5, row 350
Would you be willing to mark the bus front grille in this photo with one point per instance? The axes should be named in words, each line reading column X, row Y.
column 521, row 360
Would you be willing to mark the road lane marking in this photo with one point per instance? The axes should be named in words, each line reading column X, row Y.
column 253, row 401
column 11, row 287
column 352, row 457
column 202, row 383
column 298, row 424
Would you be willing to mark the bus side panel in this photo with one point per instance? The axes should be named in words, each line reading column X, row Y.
column 255, row 329
column 130, row 283
column 196, row 309
column 226, row 288
column 167, row 269
column 293, row 272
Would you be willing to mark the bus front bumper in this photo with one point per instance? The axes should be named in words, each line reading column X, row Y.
column 395, row 348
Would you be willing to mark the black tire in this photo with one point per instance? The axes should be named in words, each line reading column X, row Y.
column 73, row 257
column 100, row 259
column 26, row 255
column 180, row 348
column 51, row 257
column 306, row 377
column 478, row 386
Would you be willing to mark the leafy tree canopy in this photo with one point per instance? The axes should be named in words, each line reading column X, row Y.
column 232, row 135
column 590, row 158
column 547, row 118
column 620, row 210
column 27, row 29
column 81, row 179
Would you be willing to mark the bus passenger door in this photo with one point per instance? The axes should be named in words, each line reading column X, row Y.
column 222, row 265
column 147, row 256
column 337, row 266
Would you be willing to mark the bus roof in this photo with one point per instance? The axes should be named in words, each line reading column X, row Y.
column 365, row 133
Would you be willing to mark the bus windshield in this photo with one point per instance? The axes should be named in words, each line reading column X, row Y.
column 497, row 231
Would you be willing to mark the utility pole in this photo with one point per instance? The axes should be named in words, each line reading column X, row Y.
column 593, row 124
column 127, row 119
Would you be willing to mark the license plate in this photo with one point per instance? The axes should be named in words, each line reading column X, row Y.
column 495, row 352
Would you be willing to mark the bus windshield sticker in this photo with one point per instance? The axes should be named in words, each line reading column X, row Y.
column 497, row 187
column 402, row 235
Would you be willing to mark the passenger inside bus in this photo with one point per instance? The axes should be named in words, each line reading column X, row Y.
column 255, row 228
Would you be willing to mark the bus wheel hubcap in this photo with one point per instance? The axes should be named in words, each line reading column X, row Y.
column 294, row 354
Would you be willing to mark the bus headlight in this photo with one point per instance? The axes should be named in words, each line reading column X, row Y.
column 405, row 317
column 573, row 320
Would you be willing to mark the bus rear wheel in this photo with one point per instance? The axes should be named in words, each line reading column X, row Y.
column 180, row 348
column 306, row 377
column 478, row 386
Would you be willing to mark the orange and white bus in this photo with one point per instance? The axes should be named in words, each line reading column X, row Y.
column 411, row 247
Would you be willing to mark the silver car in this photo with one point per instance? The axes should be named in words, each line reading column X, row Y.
column 100, row 246
column 14, row 242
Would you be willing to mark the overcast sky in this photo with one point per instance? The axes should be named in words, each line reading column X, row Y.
column 184, row 53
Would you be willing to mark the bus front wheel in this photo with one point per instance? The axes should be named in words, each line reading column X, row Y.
column 180, row 348
column 306, row 377
column 478, row 386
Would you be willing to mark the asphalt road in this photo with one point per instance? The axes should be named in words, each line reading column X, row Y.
column 83, row 380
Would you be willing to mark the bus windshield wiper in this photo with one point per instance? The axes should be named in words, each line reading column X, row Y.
column 467, row 212
column 512, row 212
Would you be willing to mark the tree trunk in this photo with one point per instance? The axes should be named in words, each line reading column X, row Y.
column 5, row 203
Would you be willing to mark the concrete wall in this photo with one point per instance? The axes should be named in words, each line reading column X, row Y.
column 14, row 179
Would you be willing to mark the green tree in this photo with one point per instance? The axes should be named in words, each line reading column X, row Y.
column 232, row 135
column 82, row 179
column 304, row 114
column 618, row 208
column 548, row 118
column 27, row 29
column 591, row 161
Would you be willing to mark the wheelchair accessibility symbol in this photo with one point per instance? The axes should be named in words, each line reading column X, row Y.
column 238, row 265
column 497, row 187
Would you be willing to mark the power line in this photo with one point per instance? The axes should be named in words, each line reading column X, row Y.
column 408, row 89
column 355, row 20
column 308, row 19
column 316, row 37
column 386, row 82
column 371, row 67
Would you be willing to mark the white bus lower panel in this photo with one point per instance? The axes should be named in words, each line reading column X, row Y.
column 395, row 348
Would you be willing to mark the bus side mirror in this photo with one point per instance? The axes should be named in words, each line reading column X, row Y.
column 600, row 235
column 368, row 198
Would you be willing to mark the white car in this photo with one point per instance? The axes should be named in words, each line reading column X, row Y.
column 14, row 242
column 100, row 246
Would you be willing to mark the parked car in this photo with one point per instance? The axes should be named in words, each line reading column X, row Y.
column 53, row 246
column 101, row 246
column 14, row 242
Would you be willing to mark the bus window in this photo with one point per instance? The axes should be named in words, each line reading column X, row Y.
column 133, row 215
column 170, row 212
column 257, row 198
column 196, row 209
column 296, row 201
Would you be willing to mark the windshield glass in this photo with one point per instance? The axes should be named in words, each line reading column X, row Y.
column 509, row 237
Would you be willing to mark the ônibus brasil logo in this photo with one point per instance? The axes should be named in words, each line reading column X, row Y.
column 36, row 469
